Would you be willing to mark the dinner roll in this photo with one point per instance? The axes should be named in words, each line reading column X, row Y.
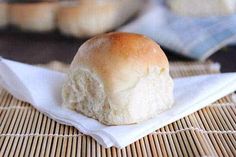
column 37, row 17
column 87, row 18
column 119, row 78
column 3, row 14
column 202, row 7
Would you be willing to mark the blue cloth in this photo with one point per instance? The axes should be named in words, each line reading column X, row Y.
column 193, row 37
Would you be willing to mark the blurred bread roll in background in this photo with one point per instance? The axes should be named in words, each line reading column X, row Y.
column 37, row 17
column 3, row 14
column 80, row 18
column 119, row 78
column 202, row 7
column 92, row 17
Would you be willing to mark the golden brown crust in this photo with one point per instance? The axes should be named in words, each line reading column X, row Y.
column 116, row 47
column 120, row 58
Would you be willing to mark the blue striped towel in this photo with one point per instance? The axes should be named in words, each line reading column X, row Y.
column 193, row 37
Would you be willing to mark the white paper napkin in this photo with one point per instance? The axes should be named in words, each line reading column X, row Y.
column 42, row 88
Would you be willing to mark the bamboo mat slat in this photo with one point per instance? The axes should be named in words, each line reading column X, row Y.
column 208, row 132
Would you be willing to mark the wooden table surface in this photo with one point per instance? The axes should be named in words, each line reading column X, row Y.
column 38, row 48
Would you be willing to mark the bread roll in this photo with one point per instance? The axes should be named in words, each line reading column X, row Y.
column 92, row 17
column 119, row 78
column 202, row 7
column 37, row 17
column 3, row 14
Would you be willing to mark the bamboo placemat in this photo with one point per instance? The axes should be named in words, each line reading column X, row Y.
column 208, row 132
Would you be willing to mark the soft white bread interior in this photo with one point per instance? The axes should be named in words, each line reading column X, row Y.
column 3, row 14
column 202, row 7
column 91, row 17
column 119, row 78
column 38, row 17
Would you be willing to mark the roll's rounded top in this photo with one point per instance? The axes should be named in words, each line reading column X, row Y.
column 121, row 48
column 120, row 59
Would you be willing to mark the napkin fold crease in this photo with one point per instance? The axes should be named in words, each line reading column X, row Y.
column 42, row 89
